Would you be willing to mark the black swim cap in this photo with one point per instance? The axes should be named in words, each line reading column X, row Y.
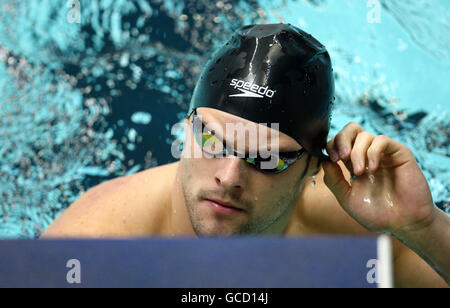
column 273, row 73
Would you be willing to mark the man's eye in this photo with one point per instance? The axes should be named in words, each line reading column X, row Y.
column 209, row 139
column 280, row 165
column 212, row 144
column 251, row 161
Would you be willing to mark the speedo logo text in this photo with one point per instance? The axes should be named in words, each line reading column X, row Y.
column 250, row 89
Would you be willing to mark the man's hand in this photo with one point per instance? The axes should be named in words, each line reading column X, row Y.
column 389, row 193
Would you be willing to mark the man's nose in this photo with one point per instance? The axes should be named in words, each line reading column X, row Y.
column 232, row 173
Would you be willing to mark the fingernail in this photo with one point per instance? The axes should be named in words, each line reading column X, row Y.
column 342, row 152
column 371, row 164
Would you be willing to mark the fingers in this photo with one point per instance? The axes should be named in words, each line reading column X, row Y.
column 358, row 148
column 332, row 151
column 381, row 144
column 340, row 147
column 359, row 151
column 335, row 180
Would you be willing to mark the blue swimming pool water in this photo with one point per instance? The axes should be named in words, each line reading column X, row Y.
column 84, row 102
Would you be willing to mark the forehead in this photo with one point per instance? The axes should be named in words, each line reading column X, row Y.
column 210, row 115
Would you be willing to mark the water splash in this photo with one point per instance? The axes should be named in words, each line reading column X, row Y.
column 92, row 97
column 415, row 19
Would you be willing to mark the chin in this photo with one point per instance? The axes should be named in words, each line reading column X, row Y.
column 214, row 232
column 216, row 229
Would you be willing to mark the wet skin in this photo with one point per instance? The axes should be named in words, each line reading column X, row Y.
column 170, row 200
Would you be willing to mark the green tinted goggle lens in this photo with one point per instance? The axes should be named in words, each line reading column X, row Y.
column 207, row 140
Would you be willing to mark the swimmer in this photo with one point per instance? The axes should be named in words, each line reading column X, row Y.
column 274, row 74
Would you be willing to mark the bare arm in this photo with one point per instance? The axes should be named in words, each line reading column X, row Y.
column 410, row 269
column 90, row 215
column 427, row 245
column 113, row 209
column 127, row 206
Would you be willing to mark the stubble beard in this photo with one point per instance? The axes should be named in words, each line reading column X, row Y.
column 254, row 226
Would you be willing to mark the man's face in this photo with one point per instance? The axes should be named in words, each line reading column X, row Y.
column 265, row 201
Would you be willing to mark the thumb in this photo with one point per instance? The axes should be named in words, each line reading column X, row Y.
column 335, row 180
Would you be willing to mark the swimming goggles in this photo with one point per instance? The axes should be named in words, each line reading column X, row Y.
column 206, row 139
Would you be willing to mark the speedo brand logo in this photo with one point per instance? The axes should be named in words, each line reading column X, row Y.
column 249, row 89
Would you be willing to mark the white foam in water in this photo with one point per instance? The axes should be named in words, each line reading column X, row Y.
column 141, row 117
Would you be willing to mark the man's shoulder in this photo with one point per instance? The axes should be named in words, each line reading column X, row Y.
column 318, row 211
column 152, row 180
column 133, row 205
column 151, row 185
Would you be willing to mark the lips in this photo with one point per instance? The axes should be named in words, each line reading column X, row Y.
column 225, row 204
column 223, row 207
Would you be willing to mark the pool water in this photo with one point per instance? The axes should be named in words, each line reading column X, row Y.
column 81, row 103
